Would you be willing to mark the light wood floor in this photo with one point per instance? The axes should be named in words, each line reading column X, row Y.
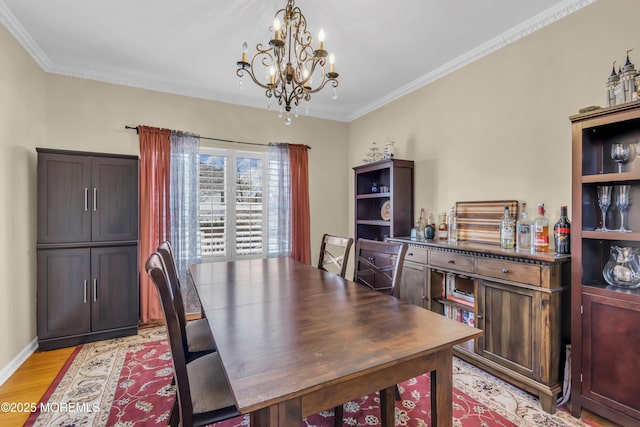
column 34, row 377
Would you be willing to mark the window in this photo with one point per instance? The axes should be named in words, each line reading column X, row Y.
column 232, row 203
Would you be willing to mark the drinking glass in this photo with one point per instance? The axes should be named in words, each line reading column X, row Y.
column 604, row 200
column 620, row 154
column 623, row 205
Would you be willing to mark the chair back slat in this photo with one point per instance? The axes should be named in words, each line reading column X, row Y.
column 156, row 269
column 166, row 252
column 334, row 252
column 379, row 265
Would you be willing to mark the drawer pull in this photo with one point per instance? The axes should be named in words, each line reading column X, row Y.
column 410, row 254
column 451, row 261
column 505, row 271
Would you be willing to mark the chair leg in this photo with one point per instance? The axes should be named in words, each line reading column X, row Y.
column 398, row 398
column 337, row 420
column 174, row 419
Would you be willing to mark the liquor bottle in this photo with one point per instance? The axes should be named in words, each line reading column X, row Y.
column 414, row 230
column 523, row 230
column 430, row 229
column 453, row 225
column 562, row 233
column 416, row 234
column 443, row 230
column 541, row 231
column 423, row 221
column 507, row 230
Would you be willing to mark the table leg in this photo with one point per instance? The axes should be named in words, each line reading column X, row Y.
column 285, row 414
column 442, row 389
column 388, row 406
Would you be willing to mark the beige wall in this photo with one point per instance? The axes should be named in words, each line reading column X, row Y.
column 22, row 117
column 45, row 110
column 499, row 128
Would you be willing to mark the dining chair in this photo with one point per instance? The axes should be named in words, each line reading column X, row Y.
column 203, row 396
column 196, row 333
column 378, row 265
column 330, row 246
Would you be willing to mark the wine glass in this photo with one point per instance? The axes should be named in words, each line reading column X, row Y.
column 623, row 205
column 620, row 154
column 604, row 200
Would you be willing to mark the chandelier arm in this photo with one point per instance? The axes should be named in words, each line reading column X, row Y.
column 334, row 83
column 314, row 64
column 240, row 72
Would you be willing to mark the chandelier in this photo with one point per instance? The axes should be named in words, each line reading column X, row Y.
column 290, row 64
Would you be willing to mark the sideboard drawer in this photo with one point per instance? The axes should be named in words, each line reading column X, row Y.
column 416, row 254
column 508, row 270
column 451, row 260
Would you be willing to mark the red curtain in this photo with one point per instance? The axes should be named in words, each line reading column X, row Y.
column 155, row 153
column 300, row 214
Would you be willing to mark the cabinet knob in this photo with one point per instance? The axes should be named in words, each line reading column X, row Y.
column 505, row 271
column 410, row 254
column 479, row 316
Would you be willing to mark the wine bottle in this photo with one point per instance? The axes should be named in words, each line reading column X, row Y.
column 562, row 233
column 541, row 231
column 507, row 230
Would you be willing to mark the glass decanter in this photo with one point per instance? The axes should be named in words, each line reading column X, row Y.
column 623, row 268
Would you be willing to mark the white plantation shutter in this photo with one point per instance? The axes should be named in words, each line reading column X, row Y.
column 232, row 205
column 213, row 205
column 249, row 211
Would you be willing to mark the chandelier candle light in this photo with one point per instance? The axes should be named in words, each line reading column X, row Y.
column 290, row 63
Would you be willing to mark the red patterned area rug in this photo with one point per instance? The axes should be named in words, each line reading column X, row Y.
column 127, row 382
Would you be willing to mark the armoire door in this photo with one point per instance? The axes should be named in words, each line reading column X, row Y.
column 64, row 198
column 114, row 287
column 114, row 199
column 64, row 306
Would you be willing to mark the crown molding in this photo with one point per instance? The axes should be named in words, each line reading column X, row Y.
column 539, row 21
column 533, row 24
column 23, row 37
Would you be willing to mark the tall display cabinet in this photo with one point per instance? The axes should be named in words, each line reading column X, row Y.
column 87, row 250
column 605, row 319
column 383, row 199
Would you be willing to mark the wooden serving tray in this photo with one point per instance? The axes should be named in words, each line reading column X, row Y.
column 480, row 221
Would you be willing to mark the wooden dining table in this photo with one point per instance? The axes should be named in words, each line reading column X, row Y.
column 295, row 340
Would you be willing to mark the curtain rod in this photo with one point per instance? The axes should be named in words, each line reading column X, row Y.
column 216, row 139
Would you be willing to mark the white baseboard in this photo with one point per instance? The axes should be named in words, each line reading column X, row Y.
column 17, row 361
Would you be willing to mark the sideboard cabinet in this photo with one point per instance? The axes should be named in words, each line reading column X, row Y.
column 517, row 298
column 605, row 319
column 87, row 249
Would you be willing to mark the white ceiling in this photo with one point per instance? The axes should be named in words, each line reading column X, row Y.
column 383, row 49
